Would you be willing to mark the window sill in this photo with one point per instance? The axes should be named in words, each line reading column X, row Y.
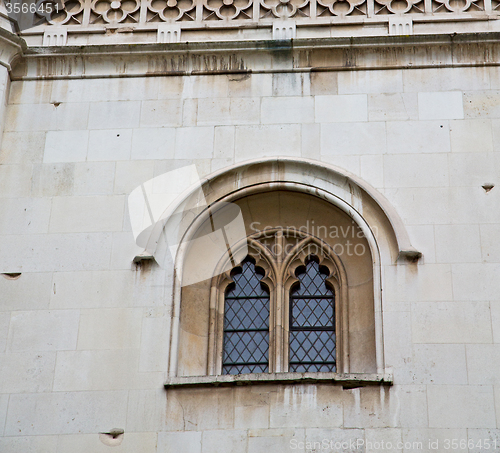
column 351, row 380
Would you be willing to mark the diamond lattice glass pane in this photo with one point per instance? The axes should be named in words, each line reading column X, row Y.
column 246, row 314
column 312, row 282
column 245, row 347
column 247, row 283
column 246, row 324
column 313, row 313
column 316, row 346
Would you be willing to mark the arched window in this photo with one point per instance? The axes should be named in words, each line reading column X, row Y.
column 246, row 322
column 312, row 345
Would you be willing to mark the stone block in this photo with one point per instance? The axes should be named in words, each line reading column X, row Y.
column 105, row 89
column 15, row 181
column 224, row 142
column 223, row 441
column 130, row 174
column 341, row 109
column 423, row 239
column 392, row 107
column 324, row 83
column 252, row 417
column 332, row 439
column 416, row 170
column 29, row 292
column 43, row 330
column 123, row 251
column 66, row 146
column 495, row 320
column 413, row 409
column 39, row 414
column 146, row 410
column 161, row 113
column 461, row 406
column 446, row 79
column 109, row 145
column 471, row 136
column 416, row 137
column 55, row 252
column 250, row 85
column 52, row 180
column 446, row 105
column 27, row 372
column 155, row 340
column 187, row 409
column 375, row 407
column 4, row 402
column 483, row 364
column 277, row 440
column 29, row 444
column 361, row 82
column 24, row 215
column 85, row 443
column 194, row 142
column 429, row 440
column 480, row 440
column 93, row 178
column 102, row 370
column 4, row 329
column 386, row 439
column 372, row 169
column 431, row 282
column 353, row 138
column 87, row 214
column 287, row 110
column 451, row 322
column 203, row 86
column 22, row 147
column 189, row 112
column 310, row 134
column 476, row 282
column 291, row 84
column 230, row 111
column 307, row 406
column 30, row 92
column 264, row 141
column 153, row 143
column 43, row 117
column 114, row 115
column 482, row 104
column 473, row 169
column 457, row 244
column 188, row 442
column 110, row 328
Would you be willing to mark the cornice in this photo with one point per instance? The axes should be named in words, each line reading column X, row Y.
column 299, row 55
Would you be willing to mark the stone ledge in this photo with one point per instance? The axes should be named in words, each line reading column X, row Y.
column 351, row 380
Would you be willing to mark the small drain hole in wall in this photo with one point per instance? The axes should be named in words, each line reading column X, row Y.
column 487, row 187
column 11, row 275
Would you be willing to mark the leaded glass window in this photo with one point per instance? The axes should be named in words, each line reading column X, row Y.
column 246, row 323
column 312, row 341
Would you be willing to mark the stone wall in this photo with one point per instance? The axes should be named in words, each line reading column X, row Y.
column 84, row 332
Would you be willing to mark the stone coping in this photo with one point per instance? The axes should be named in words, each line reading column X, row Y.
column 268, row 56
column 350, row 380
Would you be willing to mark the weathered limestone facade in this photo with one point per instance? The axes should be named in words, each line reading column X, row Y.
column 399, row 135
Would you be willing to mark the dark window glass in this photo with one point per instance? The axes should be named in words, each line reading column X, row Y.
column 312, row 321
column 246, row 323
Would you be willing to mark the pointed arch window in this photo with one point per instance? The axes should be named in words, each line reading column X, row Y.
column 312, row 345
column 279, row 310
column 246, row 322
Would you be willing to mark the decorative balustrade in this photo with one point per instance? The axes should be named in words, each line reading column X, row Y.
column 147, row 14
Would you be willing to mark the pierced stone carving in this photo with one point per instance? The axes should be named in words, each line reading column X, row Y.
column 342, row 8
column 115, row 11
column 171, row 10
column 457, row 6
column 71, row 12
column 227, row 9
column 284, row 9
column 399, row 7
